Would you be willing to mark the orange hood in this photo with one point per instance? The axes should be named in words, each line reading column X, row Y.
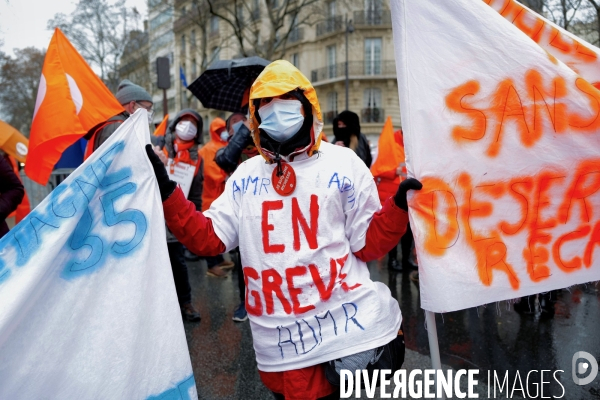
column 278, row 78
column 215, row 125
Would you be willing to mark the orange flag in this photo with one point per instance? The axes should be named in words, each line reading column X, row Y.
column 391, row 154
column 71, row 100
column 13, row 142
column 161, row 129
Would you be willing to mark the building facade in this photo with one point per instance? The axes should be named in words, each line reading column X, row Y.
column 360, row 32
column 134, row 64
column 161, row 43
column 327, row 34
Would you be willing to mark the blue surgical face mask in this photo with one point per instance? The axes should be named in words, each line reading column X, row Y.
column 281, row 119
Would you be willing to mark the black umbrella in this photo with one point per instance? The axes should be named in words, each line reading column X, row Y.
column 223, row 84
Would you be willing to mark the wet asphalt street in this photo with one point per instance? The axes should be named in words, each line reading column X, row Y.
column 491, row 338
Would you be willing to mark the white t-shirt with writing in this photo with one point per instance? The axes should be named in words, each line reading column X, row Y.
column 309, row 299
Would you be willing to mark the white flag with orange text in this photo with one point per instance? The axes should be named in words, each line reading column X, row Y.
column 504, row 134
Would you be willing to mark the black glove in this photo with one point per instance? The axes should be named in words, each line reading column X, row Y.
column 165, row 185
column 228, row 157
column 405, row 186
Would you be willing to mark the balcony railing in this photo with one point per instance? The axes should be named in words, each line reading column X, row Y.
column 372, row 114
column 372, row 18
column 296, row 35
column 330, row 25
column 355, row 68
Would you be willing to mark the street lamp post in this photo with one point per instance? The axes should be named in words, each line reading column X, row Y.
column 349, row 29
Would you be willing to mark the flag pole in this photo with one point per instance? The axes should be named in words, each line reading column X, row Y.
column 434, row 348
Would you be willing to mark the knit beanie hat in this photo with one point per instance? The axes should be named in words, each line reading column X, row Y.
column 129, row 91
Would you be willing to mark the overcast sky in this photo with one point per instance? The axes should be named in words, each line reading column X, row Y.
column 23, row 22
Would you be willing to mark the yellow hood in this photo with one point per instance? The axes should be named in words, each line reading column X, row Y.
column 278, row 78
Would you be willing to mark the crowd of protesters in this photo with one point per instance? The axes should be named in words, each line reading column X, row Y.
column 279, row 136
column 281, row 131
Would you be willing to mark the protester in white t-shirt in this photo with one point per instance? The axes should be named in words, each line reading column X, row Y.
column 306, row 221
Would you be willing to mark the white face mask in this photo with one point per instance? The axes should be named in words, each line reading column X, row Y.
column 185, row 130
column 281, row 119
column 150, row 112
column 224, row 135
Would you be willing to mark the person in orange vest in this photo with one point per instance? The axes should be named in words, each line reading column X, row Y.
column 131, row 97
column 214, row 185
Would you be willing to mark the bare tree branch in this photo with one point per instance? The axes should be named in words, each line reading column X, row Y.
column 19, row 79
column 267, row 29
column 98, row 29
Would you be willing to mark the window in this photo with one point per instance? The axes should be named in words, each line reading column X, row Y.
column 373, row 6
column 214, row 24
column 331, row 107
column 373, row 56
column 193, row 39
column 255, row 10
column 332, row 99
column 372, row 98
column 331, row 70
column 162, row 41
column 372, row 111
column 194, row 69
column 182, row 46
column 160, row 19
column 295, row 60
column 373, row 11
column 331, row 9
column 295, row 34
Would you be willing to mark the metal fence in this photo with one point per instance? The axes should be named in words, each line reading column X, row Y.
column 355, row 68
column 36, row 192
column 296, row 35
column 372, row 114
column 372, row 18
column 330, row 25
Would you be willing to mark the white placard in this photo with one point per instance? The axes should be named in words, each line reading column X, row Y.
column 183, row 174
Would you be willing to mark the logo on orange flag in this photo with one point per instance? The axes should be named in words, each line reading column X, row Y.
column 71, row 100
